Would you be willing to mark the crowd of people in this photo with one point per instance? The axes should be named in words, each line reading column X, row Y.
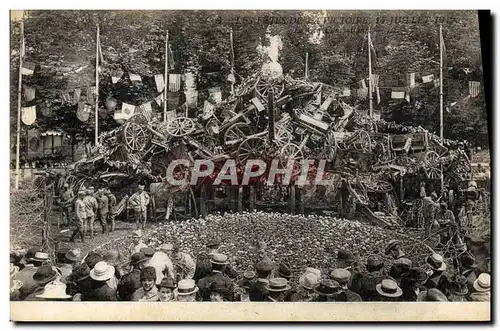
column 169, row 274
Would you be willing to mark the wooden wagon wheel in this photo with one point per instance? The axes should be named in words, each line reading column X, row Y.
column 330, row 145
column 71, row 181
column 294, row 152
column 378, row 186
column 363, row 142
column 264, row 86
column 431, row 165
column 136, row 136
column 180, row 126
column 282, row 136
column 236, row 133
column 250, row 148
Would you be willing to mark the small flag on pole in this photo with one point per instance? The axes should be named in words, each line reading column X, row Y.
column 171, row 57
column 28, row 68
column 215, row 94
column 397, row 93
column 174, row 82
column 159, row 99
column 411, row 78
column 126, row 112
column 378, row 95
column 116, row 75
column 76, row 95
column 473, row 89
column 83, row 111
column 29, row 93
column 146, row 110
column 346, row 92
column 160, row 82
column 427, row 79
column 134, row 77
column 362, row 93
column 362, row 84
column 28, row 115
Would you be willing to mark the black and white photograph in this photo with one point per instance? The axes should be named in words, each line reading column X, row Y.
column 315, row 157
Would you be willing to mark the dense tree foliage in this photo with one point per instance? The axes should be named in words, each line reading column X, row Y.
column 63, row 42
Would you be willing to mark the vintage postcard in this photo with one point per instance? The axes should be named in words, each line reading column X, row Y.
column 249, row 165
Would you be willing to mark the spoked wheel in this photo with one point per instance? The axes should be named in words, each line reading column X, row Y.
column 136, row 137
column 250, row 148
column 71, row 181
column 282, row 136
column 382, row 152
column 236, row 133
column 330, row 145
column 363, row 142
column 431, row 165
column 378, row 186
column 180, row 126
column 293, row 152
column 264, row 86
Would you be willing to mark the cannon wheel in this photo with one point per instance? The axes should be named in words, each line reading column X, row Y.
column 180, row 126
column 136, row 136
column 250, row 148
column 330, row 146
column 263, row 87
column 237, row 131
column 431, row 165
column 378, row 186
column 71, row 181
column 363, row 142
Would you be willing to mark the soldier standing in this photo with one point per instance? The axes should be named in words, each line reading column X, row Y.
column 103, row 209
column 140, row 201
column 91, row 209
column 80, row 216
column 111, row 206
column 66, row 203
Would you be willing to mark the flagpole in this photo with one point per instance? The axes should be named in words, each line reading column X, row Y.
column 441, row 95
column 232, row 59
column 166, row 80
column 370, row 73
column 19, row 89
column 306, row 71
column 97, row 88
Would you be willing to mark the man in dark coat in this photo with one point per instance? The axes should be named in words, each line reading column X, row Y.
column 203, row 264
column 284, row 271
column 132, row 281
column 99, row 289
column 257, row 290
column 26, row 276
column 43, row 276
column 412, row 283
column 342, row 276
column 79, row 282
column 365, row 283
column 218, row 261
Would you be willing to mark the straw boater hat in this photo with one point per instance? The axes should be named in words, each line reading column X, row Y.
column 341, row 275
column 389, row 288
column 54, row 290
column 309, row 281
column 328, row 288
column 186, row 287
column 314, row 271
column 482, row 283
column 436, row 262
column 432, row 294
column 391, row 245
column 40, row 257
column 102, row 271
column 218, row 259
column 74, row 255
column 278, row 285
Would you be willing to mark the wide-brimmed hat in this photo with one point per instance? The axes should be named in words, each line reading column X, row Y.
column 31, row 253
column 148, row 251
column 415, row 274
column 92, row 259
column 63, row 249
column 314, row 271
column 186, row 287
column 389, row 288
column 40, row 257
column 167, row 282
column 44, row 274
column 374, row 261
column 460, row 286
column 309, row 281
column 74, row 255
column 137, row 258
column 137, row 233
column 54, row 290
column 391, row 245
column 482, row 283
column 284, row 270
column 328, row 287
column 436, row 262
column 80, row 273
column 341, row 275
column 102, row 271
column 213, row 243
column 433, row 295
column 218, row 259
column 278, row 285
column 111, row 256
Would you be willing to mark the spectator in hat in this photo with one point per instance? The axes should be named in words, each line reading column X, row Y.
column 184, row 265
column 305, row 292
column 468, row 269
column 481, row 289
column 285, row 271
column 137, row 244
column 67, row 198
column 148, row 253
column 220, row 291
column 435, row 278
column 218, row 261
column 44, row 275
column 148, row 292
column 166, row 290
column 344, row 259
column 27, row 275
column 388, row 290
column 132, row 281
column 277, row 289
column 54, row 291
column 92, row 259
column 112, row 257
column 342, row 276
column 429, row 206
column 203, row 264
column 71, row 259
column 79, row 282
column 327, row 290
column 399, row 267
column 80, row 216
column 365, row 283
column 394, row 249
column 103, row 202
column 241, row 290
column 111, row 206
column 432, row 295
column 100, row 290
column 162, row 263
column 186, row 291
column 459, row 290
column 91, row 207
column 446, row 222
column 412, row 283
column 258, row 290
column 139, row 202
column 15, row 285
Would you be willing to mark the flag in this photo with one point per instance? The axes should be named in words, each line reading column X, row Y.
column 208, row 110
column 375, row 78
column 362, row 93
column 83, row 111
column 436, row 82
column 171, row 61
column 116, row 75
column 126, row 112
column 378, row 95
column 76, row 95
column 192, row 98
column 398, row 93
column 160, row 82
column 442, row 43
column 215, row 94
column 91, row 95
column 362, row 84
column 473, row 89
column 146, row 110
column 28, row 115
column 134, row 77
column 99, row 50
column 230, row 78
column 29, row 93
column 372, row 48
column 174, row 82
column 159, row 99
column 346, row 92
column 23, row 48
column 411, row 78
column 28, row 68
column 427, row 79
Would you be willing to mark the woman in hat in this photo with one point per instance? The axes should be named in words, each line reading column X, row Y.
column 394, row 249
column 42, row 277
column 432, row 295
column 257, row 290
column 184, row 265
column 148, row 292
column 100, row 290
column 186, row 291
column 71, row 259
column 203, row 264
column 277, row 289
column 481, row 289
column 388, row 290
column 285, row 271
column 305, row 292
column 327, row 290
column 241, row 289
column 166, row 290
column 412, row 283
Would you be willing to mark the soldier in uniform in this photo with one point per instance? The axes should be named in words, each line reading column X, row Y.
column 139, row 202
column 111, row 206
column 66, row 204
column 91, row 209
column 103, row 209
column 80, row 217
column 429, row 206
